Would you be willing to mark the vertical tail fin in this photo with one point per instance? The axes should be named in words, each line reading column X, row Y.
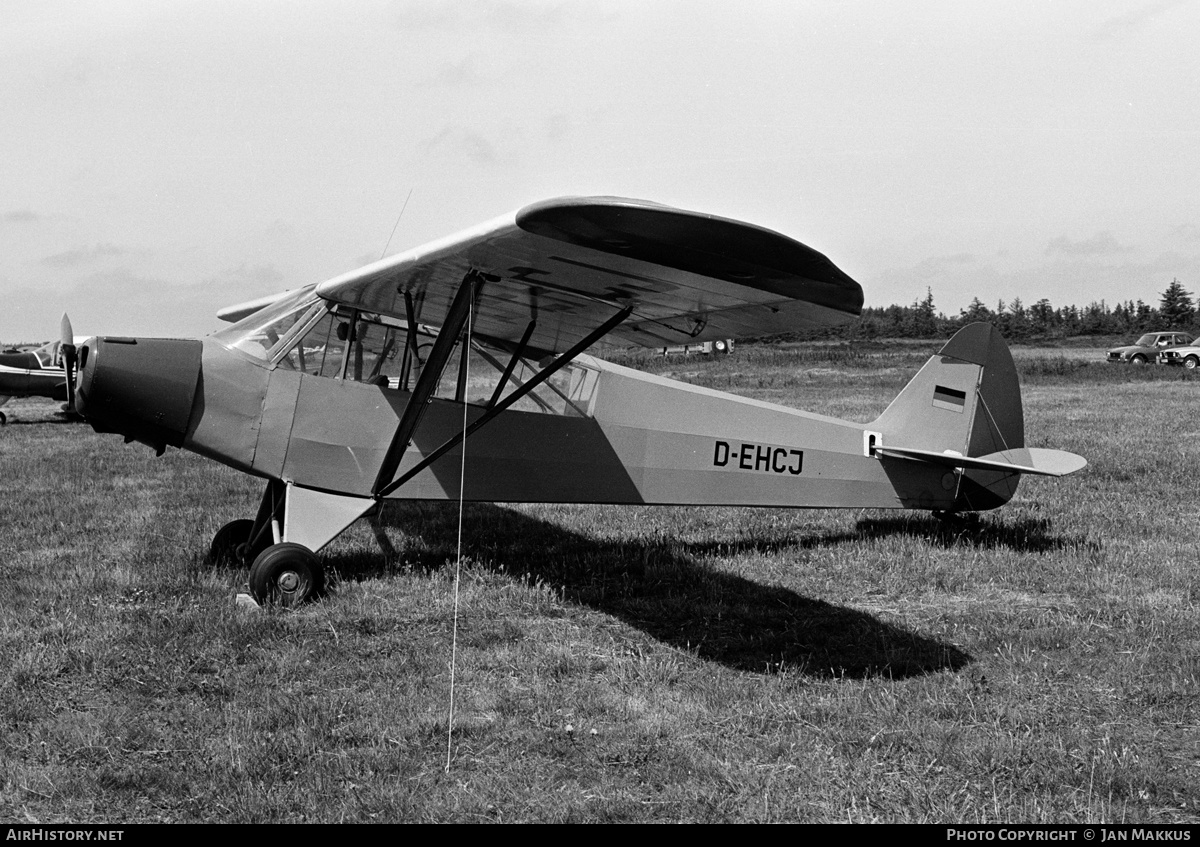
column 965, row 400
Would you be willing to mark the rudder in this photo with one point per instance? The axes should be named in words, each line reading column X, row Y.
column 965, row 400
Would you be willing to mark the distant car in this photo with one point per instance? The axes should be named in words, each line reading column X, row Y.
column 1187, row 356
column 719, row 347
column 1147, row 348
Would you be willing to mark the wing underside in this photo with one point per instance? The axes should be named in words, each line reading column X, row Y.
column 570, row 264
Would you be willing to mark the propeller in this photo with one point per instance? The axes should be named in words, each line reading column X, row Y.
column 70, row 356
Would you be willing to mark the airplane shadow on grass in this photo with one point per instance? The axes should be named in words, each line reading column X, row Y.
column 663, row 589
column 1024, row 535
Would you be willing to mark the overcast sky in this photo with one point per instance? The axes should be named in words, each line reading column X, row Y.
column 160, row 160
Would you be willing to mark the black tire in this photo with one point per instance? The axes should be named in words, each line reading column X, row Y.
column 3, row 419
column 228, row 544
column 286, row 574
column 1139, row 359
column 1190, row 363
column 957, row 518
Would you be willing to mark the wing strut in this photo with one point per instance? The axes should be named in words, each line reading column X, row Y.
column 512, row 363
column 431, row 375
column 496, row 408
column 411, row 315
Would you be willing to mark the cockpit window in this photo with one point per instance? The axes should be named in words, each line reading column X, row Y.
column 47, row 354
column 349, row 345
column 318, row 352
column 374, row 349
column 375, row 353
column 260, row 332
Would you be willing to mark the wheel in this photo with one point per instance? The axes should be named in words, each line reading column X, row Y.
column 286, row 575
column 1139, row 359
column 230, row 544
column 3, row 419
column 224, row 548
column 957, row 518
column 720, row 347
column 1190, row 363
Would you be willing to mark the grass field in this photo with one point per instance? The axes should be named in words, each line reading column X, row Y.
column 623, row 664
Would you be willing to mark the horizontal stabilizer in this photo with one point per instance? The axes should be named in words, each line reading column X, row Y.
column 1023, row 460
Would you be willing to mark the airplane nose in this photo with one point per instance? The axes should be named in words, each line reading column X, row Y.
column 142, row 388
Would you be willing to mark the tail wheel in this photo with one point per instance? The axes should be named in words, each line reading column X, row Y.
column 286, row 574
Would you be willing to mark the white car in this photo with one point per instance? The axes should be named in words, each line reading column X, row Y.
column 1188, row 357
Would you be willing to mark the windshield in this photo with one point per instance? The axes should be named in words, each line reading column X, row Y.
column 260, row 331
column 47, row 354
column 1145, row 341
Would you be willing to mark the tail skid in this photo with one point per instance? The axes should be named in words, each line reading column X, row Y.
column 963, row 411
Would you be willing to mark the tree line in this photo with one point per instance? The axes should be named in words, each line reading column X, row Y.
column 1018, row 321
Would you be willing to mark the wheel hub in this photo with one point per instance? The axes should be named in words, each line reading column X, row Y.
column 289, row 581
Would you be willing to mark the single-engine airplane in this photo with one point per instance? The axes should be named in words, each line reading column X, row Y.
column 35, row 373
column 370, row 386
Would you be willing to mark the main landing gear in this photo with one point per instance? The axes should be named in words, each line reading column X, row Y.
column 284, row 574
column 280, row 544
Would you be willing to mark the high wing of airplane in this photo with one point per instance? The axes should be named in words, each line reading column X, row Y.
column 371, row 385
column 35, row 373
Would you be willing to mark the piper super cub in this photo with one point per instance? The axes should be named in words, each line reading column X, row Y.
column 372, row 384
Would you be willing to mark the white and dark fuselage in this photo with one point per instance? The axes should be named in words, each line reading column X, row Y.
column 457, row 369
column 610, row 435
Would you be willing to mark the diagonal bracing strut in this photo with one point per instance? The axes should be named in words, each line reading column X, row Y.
column 431, row 375
column 497, row 407
column 512, row 363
